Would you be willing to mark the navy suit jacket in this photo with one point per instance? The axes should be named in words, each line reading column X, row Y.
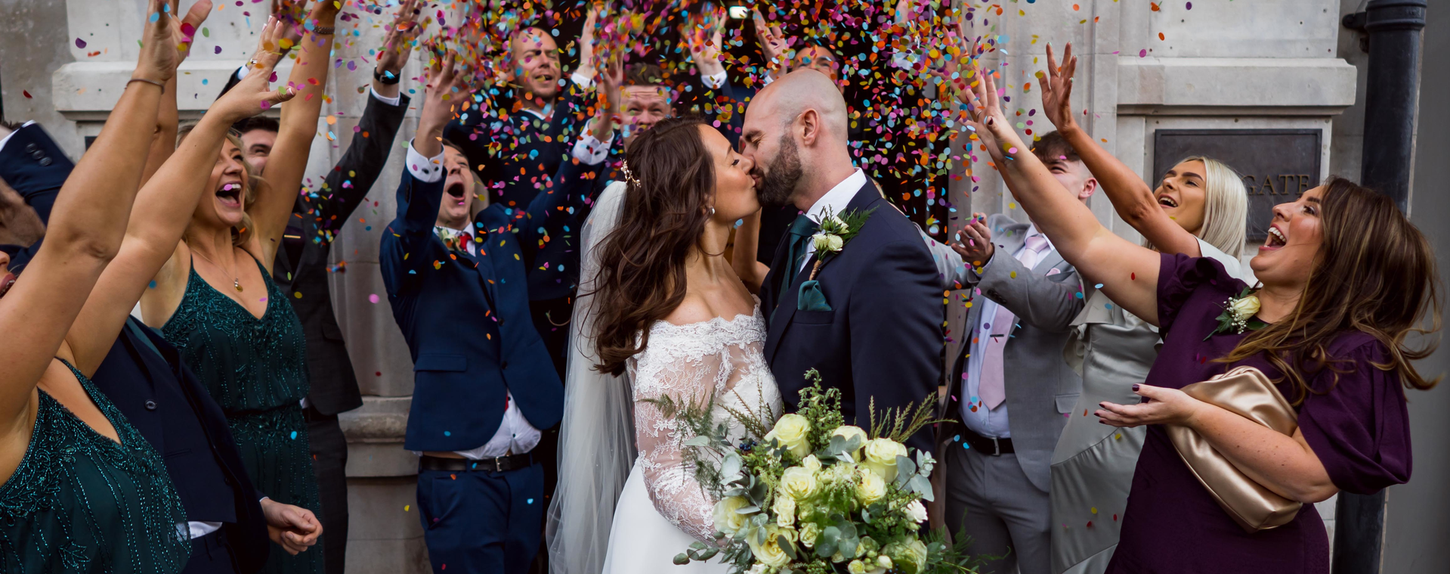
column 467, row 323
column 882, row 339
column 556, row 257
column 36, row 168
column 130, row 376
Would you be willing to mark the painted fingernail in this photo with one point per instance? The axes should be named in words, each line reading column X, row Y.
column 1135, row 387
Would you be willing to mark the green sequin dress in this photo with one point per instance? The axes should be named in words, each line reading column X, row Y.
column 81, row 502
column 256, row 369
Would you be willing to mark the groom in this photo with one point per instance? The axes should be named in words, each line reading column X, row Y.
column 871, row 321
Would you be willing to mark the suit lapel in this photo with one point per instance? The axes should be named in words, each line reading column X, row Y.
column 785, row 306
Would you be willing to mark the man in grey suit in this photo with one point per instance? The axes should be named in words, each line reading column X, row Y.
column 1023, row 300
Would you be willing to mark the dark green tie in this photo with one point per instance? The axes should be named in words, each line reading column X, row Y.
column 800, row 236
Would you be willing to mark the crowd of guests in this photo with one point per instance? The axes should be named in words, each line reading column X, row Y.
column 203, row 435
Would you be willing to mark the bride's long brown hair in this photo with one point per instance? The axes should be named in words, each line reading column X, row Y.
column 1375, row 273
column 642, row 262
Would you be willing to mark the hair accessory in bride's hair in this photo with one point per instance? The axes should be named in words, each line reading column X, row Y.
column 628, row 175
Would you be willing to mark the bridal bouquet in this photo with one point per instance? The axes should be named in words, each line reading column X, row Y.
column 818, row 496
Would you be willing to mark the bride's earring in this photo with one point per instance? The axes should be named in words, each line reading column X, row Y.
column 712, row 211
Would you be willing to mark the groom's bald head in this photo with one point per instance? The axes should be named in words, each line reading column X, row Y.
column 801, row 91
column 795, row 132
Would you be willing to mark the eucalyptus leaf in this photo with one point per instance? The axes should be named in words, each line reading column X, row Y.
column 681, row 559
column 698, row 441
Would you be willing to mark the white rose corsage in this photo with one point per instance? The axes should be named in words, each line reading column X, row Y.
column 1238, row 314
column 834, row 231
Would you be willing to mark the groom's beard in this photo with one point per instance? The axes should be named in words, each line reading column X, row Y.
column 778, row 183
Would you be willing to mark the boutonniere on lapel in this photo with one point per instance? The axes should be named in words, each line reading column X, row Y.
column 1238, row 314
column 835, row 231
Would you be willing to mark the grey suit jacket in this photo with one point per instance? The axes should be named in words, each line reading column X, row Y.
column 1039, row 384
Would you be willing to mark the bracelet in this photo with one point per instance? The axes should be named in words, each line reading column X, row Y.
column 324, row 30
column 386, row 79
column 152, row 82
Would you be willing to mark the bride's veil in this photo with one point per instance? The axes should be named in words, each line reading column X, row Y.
column 596, row 437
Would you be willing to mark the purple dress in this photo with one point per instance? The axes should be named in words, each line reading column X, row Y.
column 1357, row 426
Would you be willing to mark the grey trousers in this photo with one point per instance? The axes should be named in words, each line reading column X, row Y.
column 990, row 501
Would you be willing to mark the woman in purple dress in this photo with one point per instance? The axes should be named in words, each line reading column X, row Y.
column 1344, row 277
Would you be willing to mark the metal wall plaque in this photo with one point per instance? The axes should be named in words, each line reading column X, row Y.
column 1277, row 165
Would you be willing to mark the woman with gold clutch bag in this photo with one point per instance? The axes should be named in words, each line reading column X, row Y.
column 1344, row 275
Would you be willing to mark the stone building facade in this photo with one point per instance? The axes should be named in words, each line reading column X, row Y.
column 1284, row 65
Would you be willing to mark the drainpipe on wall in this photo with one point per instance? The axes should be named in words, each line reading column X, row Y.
column 1392, row 32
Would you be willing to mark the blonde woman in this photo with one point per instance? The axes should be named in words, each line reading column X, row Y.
column 1199, row 209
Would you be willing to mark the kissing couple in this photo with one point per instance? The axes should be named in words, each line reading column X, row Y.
column 662, row 315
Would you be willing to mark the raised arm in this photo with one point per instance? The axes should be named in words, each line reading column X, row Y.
column 86, row 227
column 747, row 243
column 283, row 175
column 347, row 184
column 1128, row 272
column 1133, row 199
column 167, row 201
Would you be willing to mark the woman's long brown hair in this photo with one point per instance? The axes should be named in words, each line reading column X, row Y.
column 642, row 262
column 1375, row 273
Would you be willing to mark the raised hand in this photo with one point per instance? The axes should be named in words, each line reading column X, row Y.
column 974, row 243
column 704, row 35
column 1056, row 86
column 586, row 44
column 254, row 94
column 398, row 41
column 445, row 90
column 774, row 45
column 167, row 40
column 290, row 13
column 984, row 108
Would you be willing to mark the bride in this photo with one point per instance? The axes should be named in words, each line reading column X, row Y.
column 662, row 308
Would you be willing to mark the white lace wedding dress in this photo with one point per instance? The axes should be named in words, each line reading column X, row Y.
column 662, row 508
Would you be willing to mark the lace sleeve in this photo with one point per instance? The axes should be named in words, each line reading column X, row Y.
column 669, row 479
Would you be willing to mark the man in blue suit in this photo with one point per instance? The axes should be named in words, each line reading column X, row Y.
column 870, row 320
column 484, row 383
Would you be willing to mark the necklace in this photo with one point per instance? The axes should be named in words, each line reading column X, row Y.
column 236, row 281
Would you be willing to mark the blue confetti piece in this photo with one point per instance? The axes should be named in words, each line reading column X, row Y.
column 530, row 501
column 446, row 433
column 155, row 16
column 294, row 435
column 151, row 285
column 1098, row 286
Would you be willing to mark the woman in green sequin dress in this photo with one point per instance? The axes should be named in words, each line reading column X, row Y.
column 215, row 300
column 81, row 491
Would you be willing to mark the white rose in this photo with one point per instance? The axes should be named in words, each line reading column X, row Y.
column 727, row 520
column 840, row 224
column 809, row 532
column 908, row 557
column 811, row 463
column 856, row 567
column 758, row 569
column 1244, row 307
column 770, row 552
column 871, row 488
column 798, row 483
column 916, row 512
column 881, row 456
column 884, row 561
column 784, row 511
column 847, row 432
column 791, row 431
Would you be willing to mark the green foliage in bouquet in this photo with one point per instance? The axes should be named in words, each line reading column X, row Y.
column 814, row 495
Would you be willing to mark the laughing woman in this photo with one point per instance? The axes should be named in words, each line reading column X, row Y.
column 1345, row 277
column 215, row 300
column 1199, row 210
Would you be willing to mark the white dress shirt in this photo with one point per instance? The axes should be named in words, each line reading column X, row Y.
column 834, row 201
column 514, row 435
column 993, row 422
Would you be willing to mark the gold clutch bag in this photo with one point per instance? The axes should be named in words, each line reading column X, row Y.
column 1249, row 393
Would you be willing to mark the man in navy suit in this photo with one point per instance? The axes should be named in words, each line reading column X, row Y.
column 872, row 322
column 484, row 384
